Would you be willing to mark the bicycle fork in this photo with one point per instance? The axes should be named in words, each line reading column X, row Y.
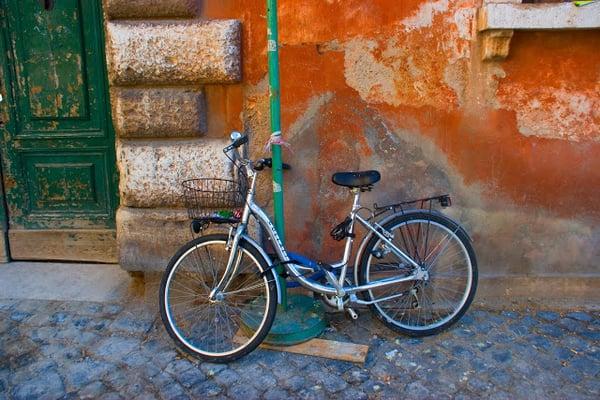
column 235, row 256
column 233, row 264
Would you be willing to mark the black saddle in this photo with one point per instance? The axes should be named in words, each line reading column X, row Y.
column 360, row 179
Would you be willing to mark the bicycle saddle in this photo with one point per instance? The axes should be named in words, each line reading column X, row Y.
column 358, row 179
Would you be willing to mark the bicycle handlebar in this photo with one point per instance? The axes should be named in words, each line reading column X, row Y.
column 237, row 139
column 237, row 142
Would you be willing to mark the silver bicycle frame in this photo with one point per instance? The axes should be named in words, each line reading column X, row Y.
column 337, row 285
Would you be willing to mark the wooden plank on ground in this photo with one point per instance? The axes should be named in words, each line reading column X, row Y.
column 320, row 348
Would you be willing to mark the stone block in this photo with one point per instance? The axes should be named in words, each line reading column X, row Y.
column 158, row 112
column 173, row 52
column 117, row 9
column 148, row 238
column 151, row 172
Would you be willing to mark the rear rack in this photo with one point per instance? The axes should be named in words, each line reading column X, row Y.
column 425, row 203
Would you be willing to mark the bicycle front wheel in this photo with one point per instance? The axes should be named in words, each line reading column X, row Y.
column 441, row 248
column 211, row 329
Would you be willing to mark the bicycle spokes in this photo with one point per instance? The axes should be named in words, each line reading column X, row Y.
column 442, row 282
column 205, row 319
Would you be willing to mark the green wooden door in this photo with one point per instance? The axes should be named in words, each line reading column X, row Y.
column 58, row 154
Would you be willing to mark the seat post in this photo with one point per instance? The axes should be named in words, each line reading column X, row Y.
column 356, row 203
column 349, row 237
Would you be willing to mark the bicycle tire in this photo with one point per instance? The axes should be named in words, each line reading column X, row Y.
column 410, row 291
column 191, row 345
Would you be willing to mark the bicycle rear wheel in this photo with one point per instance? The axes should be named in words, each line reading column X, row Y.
column 211, row 329
column 442, row 248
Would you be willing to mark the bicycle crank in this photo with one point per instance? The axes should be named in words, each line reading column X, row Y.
column 334, row 303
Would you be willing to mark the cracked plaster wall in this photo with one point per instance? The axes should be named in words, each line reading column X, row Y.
column 399, row 87
column 395, row 86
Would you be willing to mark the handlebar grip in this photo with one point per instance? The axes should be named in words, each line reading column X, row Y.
column 236, row 143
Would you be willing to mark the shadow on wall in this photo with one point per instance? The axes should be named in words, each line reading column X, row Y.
column 508, row 239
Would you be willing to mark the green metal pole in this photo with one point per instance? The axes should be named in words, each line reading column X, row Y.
column 275, row 103
column 303, row 317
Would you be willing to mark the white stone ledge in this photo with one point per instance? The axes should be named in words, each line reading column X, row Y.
column 498, row 21
column 497, row 16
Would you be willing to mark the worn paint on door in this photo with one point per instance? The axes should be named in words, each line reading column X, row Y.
column 58, row 143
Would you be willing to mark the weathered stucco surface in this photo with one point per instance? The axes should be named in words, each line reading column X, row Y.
column 395, row 86
column 120, row 9
column 570, row 109
column 173, row 52
column 158, row 112
column 151, row 172
column 401, row 87
column 554, row 98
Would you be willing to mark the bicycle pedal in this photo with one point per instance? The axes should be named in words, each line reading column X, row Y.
column 352, row 313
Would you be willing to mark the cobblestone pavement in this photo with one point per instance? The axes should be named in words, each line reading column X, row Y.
column 51, row 350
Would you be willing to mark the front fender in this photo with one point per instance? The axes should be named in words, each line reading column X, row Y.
column 268, row 260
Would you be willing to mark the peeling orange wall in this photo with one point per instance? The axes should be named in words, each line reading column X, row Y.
column 399, row 87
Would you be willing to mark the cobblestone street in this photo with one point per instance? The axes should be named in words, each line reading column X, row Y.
column 51, row 350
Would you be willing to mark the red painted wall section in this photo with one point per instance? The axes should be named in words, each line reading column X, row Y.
column 400, row 87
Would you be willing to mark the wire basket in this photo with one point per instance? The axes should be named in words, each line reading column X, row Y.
column 206, row 198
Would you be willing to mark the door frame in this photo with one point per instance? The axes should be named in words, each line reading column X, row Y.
column 4, row 247
column 97, row 245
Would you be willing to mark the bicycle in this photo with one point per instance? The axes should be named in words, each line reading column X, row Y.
column 415, row 267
